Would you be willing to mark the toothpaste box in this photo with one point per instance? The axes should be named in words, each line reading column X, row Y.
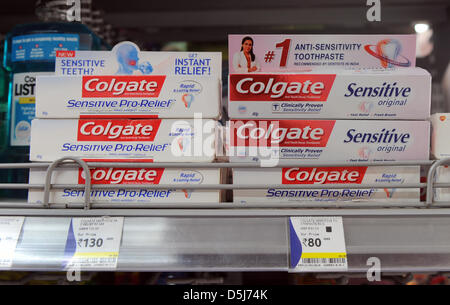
column 125, row 176
column 327, row 140
column 345, row 94
column 440, row 130
column 442, row 176
column 327, row 176
column 293, row 53
column 127, row 59
column 162, row 140
column 157, row 96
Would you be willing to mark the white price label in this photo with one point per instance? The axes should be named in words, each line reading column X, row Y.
column 10, row 228
column 93, row 243
column 317, row 244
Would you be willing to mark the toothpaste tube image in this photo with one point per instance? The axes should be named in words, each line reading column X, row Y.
column 156, row 96
column 327, row 140
column 327, row 176
column 162, row 140
column 293, row 53
column 367, row 94
column 126, row 176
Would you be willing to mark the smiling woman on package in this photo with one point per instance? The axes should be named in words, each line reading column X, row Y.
column 245, row 60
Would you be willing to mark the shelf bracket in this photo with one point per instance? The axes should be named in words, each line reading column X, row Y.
column 87, row 184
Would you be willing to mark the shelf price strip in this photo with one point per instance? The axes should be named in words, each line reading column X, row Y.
column 317, row 244
column 93, row 243
column 10, row 228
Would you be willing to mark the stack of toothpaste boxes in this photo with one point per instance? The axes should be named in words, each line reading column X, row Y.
column 323, row 99
column 129, row 106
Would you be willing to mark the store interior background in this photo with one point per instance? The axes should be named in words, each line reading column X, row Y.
column 203, row 25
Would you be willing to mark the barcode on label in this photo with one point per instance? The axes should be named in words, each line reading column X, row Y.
column 323, row 260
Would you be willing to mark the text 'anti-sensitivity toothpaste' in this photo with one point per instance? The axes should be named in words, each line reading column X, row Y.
column 345, row 94
column 105, row 95
column 293, row 53
column 327, row 176
column 327, row 140
column 162, row 140
column 128, row 176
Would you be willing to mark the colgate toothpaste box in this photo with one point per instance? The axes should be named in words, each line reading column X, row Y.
column 346, row 94
column 327, row 140
column 157, row 96
column 327, row 176
column 440, row 130
column 126, row 176
column 127, row 59
column 162, row 140
column 442, row 176
column 293, row 53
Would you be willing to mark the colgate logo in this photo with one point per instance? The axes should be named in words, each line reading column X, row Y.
column 323, row 175
column 122, row 175
column 122, row 86
column 282, row 133
column 117, row 130
column 279, row 87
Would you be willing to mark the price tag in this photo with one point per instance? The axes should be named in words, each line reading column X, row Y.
column 93, row 243
column 317, row 244
column 10, row 228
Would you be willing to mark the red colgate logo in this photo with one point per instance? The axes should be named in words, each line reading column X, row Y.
column 278, row 87
column 122, row 86
column 117, row 130
column 285, row 133
column 323, row 175
column 105, row 175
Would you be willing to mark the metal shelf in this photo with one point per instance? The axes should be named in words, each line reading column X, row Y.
column 406, row 237
column 405, row 241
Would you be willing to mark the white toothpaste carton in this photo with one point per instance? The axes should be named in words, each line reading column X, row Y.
column 341, row 94
column 440, row 131
column 162, row 140
column 157, row 96
column 327, row 140
column 327, row 176
column 126, row 176
column 126, row 59
column 442, row 176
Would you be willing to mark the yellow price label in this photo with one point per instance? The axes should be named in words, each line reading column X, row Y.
column 324, row 255
column 27, row 100
column 97, row 254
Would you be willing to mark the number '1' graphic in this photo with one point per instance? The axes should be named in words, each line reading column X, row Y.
column 284, row 53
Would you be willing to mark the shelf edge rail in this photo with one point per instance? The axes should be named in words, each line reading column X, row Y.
column 88, row 186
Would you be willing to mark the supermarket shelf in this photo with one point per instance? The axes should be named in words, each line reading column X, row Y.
column 405, row 241
column 405, row 236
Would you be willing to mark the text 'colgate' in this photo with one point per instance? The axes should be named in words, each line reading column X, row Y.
column 323, row 175
column 278, row 87
column 280, row 133
column 103, row 175
column 117, row 130
column 122, row 86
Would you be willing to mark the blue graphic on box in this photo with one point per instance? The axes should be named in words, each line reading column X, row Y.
column 42, row 46
column 128, row 60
